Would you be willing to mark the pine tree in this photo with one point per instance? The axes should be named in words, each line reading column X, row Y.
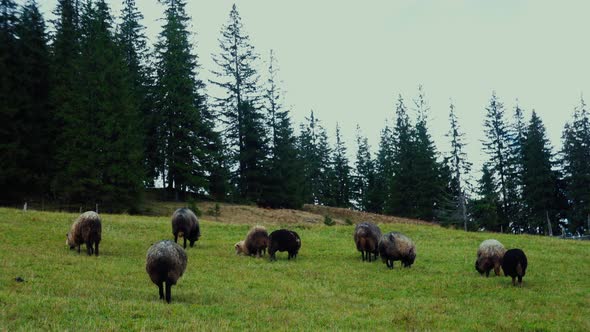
column 576, row 166
column 105, row 161
column 185, row 130
column 237, row 77
column 133, row 44
column 401, row 194
column 363, row 180
column 459, row 168
column 428, row 186
column 26, row 133
column 516, row 160
column 539, row 182
column 314, row 154
column 283, row 171
column 496, row 146
column 68, row 183
column 253, row 154
column 341, row 180
column 485, row 208
column 379, row 194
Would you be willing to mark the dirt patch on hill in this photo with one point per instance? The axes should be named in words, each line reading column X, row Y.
column 247, row 214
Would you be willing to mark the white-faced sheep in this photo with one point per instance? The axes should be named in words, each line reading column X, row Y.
column 514, row 264
column 395, row 246
column 185, row 224
column 284, row 240
column 165, row 263
column 366, row 238
column 255, row 243
column 86, row 229
column 489, row 256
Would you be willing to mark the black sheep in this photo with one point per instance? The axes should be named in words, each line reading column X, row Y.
column 284, row 240
column 165, row 263
column 514, row 265
column 366, row 238
column 185, row 224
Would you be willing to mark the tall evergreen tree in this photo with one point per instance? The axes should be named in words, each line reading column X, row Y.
column 103, row 159
column 341, row 180
column 428, row 186
column 185, row 129
column 253, row 154
column 283, row 172
column 496, row 146
column 401, row 194
column 539, row 181
column 133, row 44
column 26, row 133
column 314, row 153
column 459, row 168
column 380, row 192
column 576, row 166
column 238, row 79
column 516, row 161
column 363, row 179
column 486, row 207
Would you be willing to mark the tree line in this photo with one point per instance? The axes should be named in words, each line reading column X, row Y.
column 92, row 113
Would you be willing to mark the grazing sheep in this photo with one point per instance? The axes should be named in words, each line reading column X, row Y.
column 514, row 264
column 366, row 238
column 395, row 246
column 284, row 240
column 185, row 224
column 255, row 244
column 489, row 256
column 165, row 263
column 86, row 229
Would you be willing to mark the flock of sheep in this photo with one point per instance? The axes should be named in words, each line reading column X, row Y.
column 166, row 260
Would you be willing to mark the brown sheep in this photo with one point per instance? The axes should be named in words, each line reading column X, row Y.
column 255, row 243
column 395, row 246
column 86, row 229
column 366, row 238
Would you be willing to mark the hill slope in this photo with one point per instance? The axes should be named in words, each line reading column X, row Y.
column 326, row 287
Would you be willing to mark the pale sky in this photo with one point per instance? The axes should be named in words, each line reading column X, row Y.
column 348, row 60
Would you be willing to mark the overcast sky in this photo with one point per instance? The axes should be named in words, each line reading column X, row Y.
column 348, row 60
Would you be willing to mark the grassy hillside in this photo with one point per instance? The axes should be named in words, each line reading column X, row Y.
column 326, row 287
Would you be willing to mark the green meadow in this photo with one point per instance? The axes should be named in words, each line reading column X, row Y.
column 326, row 287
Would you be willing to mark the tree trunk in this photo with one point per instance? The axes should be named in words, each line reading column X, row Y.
column 549, row 223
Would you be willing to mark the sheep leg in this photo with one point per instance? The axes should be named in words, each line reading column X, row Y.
column 513, row 281
column 89, row 249
column 161, row 289
column 176, row 238
column 520, row 281
column 497, row 270
column 168, row 290
column 96, row 248
column 184, row 238
column 363, row 255
column 79, row 248
column 487, row 273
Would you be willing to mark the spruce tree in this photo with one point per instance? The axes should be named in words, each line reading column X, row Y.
column 27, row 132
column 539, row 182
column 133, row 44
column 496, row 146
column 379, row 194
column 576, row 166
column 428, row 187
column 238, row 79
column 314, row 154
column 516, row 160
column 363, row 179
column 341, row 180
column 459, row 168
column 184, row 131
column 486, row 207
column 106, row 160
column 401, row 198
column 282, row 183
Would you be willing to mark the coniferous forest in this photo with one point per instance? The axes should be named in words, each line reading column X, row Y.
column 91, row 113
